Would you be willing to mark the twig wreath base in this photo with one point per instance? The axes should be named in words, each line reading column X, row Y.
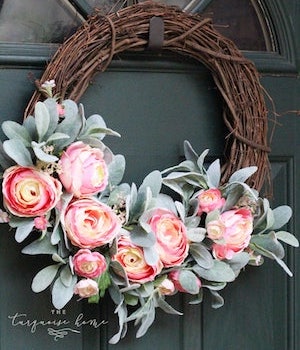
column 91, row 49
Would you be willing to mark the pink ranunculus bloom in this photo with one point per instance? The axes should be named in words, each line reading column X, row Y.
column 83, row 170
column 172, row 243
column 131, row 258
column 86, row 288
column 235, row 228
column 174, row 276
column 40, row 223
column 89, row 223
column 28, row 192
column 210, row 200
column 167, row 287
column 89, row 264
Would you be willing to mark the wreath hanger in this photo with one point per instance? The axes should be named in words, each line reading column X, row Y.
column 154, row 26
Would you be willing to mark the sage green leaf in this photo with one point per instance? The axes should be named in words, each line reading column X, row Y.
column 147, row 319
column 61, row 294
column 201, row 159
column 243, row 174
column 131, row 300
column 42, row 119
column 151, row 255
column 238, row 261
column 142, row 238
column 152, row 181
column 44, row 278
column 24, row 230
column 196, row 234
column 281, row 216
column 40, row 246
column 44, row 157
column 201, row 255
column 214, row 174
column 189, row 152
column 5, row 160
column 57, row 258
column 122, row 316
column 217, row 300
column 14, row 130
column 66, row 276
column 16, row 150
column 116, row 169
column 57, row 136
column 267, row 243
column 189, row 281
column 219, row 272
column 166, row 307
column 71, row 109
column 288, row 238
column 29, row 125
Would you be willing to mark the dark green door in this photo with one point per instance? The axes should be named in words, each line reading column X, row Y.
column 155, row 103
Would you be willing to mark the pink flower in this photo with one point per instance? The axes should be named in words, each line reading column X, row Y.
column 60, row 110
column 4, row 218
column 210, row 200
column 86, row 288
column 132, row 259
column 83, row 170
column 231, row 232
column 172, row 243
column 166, row 287
column 40, row 223
column 29, row 192
column 89, row 264
column 174, row 276
column 90, row 223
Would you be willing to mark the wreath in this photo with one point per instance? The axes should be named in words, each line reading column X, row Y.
column 62, row 186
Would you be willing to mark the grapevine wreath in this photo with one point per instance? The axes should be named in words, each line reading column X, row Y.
column 136, row 243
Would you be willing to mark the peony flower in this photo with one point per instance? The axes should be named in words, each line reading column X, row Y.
column 28, row 192
column 90, row 223
column 86, row 288
column 210, row 200
column 172, row 243
column 83, row 170
column 132, row 259
column 40, row 223
column 232, row 231
column 89, row 264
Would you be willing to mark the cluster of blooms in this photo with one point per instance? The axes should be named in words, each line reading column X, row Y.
column 63, row 184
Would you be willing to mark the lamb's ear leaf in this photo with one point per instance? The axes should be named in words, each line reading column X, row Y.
column 16, row 150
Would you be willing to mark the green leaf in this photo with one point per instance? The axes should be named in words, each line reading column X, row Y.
column 24, row 230
column 288, row 238
column 16, row 150
column 40, row 246
column 44, row 157
column 281, row 216
column 217, row 300
column 189, row 281
column 61, row 294
column 196, row 234
column 214, row 174
column 57, row 136
column 238, row 261
column 243, row 174
column 104, row 282
column 142, row 238
column 166, row 307
column 267, row 243
column 219, row 272
column 152, row 181
column 42, row 119
column 189, row 152
column 44, row 278
column 66, row 276
column 201, row 255
column 116, row 169
column 14, row 130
